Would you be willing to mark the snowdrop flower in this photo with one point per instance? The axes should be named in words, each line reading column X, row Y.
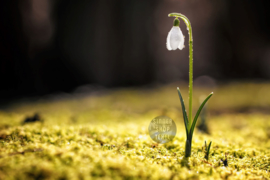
column 175, row 38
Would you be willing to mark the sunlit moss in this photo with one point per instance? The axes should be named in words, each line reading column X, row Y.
column 106, row 137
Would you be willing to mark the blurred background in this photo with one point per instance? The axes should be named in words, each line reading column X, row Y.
column 49, row 46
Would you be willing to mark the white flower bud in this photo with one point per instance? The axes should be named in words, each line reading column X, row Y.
column 175, row 39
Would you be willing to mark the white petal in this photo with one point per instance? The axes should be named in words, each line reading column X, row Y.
column 168, row 41
column 182, row 41
column 175, row 39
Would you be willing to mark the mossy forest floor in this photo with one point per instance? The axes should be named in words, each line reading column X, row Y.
column 105, row 135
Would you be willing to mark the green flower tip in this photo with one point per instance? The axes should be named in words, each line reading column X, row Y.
column 176, row 22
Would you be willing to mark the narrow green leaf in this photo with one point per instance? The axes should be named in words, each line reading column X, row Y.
column 197, row 115
column 184, row 111
column 209, row 146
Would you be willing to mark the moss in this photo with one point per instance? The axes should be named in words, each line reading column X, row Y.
column 106, row 137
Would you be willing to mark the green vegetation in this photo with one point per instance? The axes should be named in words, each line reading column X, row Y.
column 190, row 126
column 105, row 136
column 207, row 150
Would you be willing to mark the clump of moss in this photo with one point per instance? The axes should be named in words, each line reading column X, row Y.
column 106, row 137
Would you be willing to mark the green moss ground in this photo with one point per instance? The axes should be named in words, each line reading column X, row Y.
column 105, row 136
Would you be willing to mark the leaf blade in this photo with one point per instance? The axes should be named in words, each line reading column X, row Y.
column 184, row 112
column 197, row 115
column 209, row 146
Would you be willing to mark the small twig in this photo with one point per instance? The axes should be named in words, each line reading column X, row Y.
column 207, row 162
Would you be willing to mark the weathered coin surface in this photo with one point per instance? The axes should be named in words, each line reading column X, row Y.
column 162, row 129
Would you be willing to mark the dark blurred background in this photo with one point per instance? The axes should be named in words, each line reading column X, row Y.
column 50, row 46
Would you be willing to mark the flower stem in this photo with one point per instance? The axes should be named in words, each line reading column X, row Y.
column 187, row 22
column 190, row 78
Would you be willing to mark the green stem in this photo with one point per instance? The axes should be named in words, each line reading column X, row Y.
column 187, row 22
column 187, row 148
